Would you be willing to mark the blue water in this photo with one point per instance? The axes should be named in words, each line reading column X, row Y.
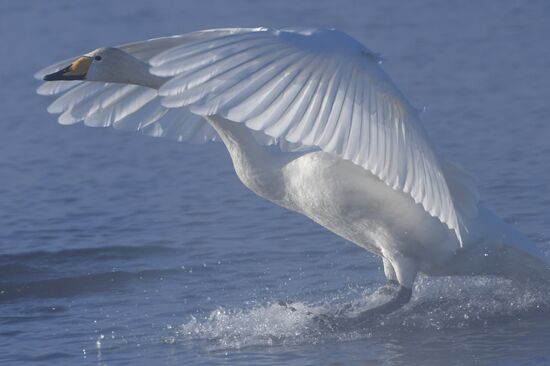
column 117, row 248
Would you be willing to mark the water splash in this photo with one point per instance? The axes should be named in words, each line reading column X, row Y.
column 438, row 304
column 272, row 324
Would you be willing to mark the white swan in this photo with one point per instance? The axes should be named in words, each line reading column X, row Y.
column 352, row 153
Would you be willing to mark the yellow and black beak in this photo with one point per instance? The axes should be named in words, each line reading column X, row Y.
column 75, row 71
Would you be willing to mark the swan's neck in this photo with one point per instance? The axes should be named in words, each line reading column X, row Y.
column 256, row 167
column 126, row 69
column 145, row 78
column 137, row 72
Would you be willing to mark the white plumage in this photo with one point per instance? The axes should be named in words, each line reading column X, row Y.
column 353, row 157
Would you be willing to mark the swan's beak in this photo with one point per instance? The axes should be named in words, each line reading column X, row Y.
column 75, row 71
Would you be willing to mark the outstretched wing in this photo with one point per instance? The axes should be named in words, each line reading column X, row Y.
column 129, row 107
column 318, row 88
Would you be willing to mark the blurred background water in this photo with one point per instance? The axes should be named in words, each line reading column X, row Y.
column 117, row 248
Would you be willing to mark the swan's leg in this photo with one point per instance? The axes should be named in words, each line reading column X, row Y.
column 404, row 270
column 389, row 272
column 389, row 289
column 402, row 297
column 391, row 279
column 339, row 322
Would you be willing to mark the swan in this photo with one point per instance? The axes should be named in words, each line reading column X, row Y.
column 313, row 124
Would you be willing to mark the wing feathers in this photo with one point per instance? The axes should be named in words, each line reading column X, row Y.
column 313, row 87
column 307, row 87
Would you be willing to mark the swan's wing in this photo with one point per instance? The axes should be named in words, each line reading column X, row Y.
column 317, row 88
column 134, row 107
column 128, row 107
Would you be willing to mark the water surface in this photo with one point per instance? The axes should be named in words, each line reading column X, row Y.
column 122, row 249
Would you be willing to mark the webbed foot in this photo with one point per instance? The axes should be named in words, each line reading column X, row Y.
column 402, row 297
column 389, row 288
column 339, row 322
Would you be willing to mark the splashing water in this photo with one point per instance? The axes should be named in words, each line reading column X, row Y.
column 272, row 324
column 438, row 304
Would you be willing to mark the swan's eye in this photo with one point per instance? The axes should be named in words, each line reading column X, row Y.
column 97, row 58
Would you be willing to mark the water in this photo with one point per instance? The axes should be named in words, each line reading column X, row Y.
column 122, row 249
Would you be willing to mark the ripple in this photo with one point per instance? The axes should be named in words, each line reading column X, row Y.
column 108, row 252
column 80, row 284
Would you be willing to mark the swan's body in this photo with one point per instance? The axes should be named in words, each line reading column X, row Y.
column 352, row 154
column 365, row 211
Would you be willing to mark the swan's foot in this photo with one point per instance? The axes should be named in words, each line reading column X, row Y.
column 286, row 305
column 389, row 288
column 402, row 297
column 289, row 306
column 331, row 323
column 336, row 323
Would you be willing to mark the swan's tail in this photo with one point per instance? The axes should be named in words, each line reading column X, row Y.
column 526, row 266
column 505, row 252
column 519, row 259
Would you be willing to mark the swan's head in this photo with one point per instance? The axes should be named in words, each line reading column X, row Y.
column 110, row 65
column 90, row 66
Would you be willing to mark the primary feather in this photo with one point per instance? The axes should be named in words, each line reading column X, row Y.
column 317, row 88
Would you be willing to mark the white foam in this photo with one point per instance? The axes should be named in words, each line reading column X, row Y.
column 446, row 303
column 272, row 324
